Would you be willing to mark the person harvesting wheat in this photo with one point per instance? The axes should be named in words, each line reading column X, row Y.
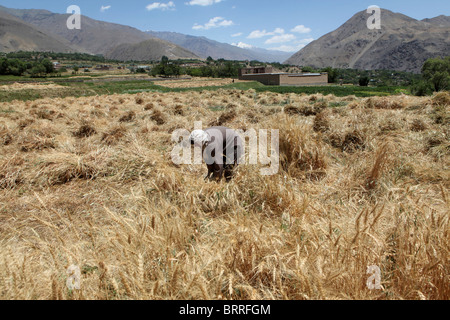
column 222, row 150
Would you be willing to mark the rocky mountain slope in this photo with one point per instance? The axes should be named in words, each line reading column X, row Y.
column 403, row 43
column 153, row 49
column 95, row 37
column 99, row 37
column 16, row 35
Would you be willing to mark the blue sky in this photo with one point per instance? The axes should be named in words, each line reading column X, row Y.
column 287, row 25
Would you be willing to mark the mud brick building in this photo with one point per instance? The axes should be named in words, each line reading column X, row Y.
column 266, row 76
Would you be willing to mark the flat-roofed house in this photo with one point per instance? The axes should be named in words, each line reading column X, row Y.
column 266, row 76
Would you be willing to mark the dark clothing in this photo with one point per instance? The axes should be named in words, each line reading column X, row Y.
column 223, row 153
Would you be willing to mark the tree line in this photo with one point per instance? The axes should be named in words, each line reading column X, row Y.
column 17, row 67
column 212, row 69
column 35, row 56
column 434, row 77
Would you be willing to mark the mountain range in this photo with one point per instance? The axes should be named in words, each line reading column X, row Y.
column 402, row 43
column 95, row 37
column 99, row 37
column 16, row 35
column 204, row 48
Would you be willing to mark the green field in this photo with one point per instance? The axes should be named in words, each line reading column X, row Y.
column 80, row 89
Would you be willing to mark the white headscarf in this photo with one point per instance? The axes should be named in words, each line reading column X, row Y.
column 199, row 137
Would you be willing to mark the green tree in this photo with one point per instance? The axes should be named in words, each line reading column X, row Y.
column 164, row 60
column 206, row 72
column 227, row 70
column 436, row 72
column 38, row 70
column 48, row 65
column 13, row 67
column 421, row 88
column 307, row 69
column 333, row 74
column 194, row 72
column 169, row 70
column 3, row 66
column 364, row 81
column 157, row 70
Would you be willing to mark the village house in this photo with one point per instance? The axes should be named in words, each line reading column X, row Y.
column 266, row 76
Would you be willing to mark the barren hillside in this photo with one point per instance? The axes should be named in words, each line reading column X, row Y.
column 17, row 35
column 153, row 49
column 402, row 44
column 95, row 37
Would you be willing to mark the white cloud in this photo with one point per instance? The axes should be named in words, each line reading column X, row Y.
column 237, row 34
column 295, row 46
column 301, row 29
column 104, row 8
column 202, row 3
column 305, row 41
column 260, row 34
column 243, row 45
column 279, row 31
column 287, row 48
column 279, row 36
column 213, row 23
column 161, row 6
column 282, row 38
column 257, row 34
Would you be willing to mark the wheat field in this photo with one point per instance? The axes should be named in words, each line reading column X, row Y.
column 89, row 182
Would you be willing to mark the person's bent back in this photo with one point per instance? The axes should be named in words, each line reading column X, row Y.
column 222, row 150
